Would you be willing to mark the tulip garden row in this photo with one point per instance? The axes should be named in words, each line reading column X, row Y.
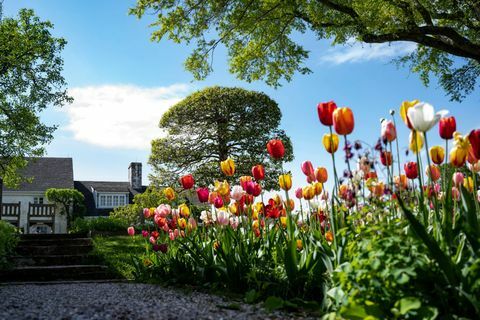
column 406, row 247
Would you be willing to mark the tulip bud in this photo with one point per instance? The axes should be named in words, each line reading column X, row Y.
column 258, row 172
column 228, row 167
column 182, row 223
column 321, row 174
column 458, row 156
column 329, row 236
column 343, row 121
column 386, row 158
column 131, row 231
column 433, row 172
column 474, row 139
column 458, row 179
column 299, row 245
column 388, row 132
column 401, row 182
column 437, row 154
column 411, row 170
column 202, row 194
column 468, row 184
column 446, row 127
column 307, row 169
column 318, row 188
column 218, row 203
column 276, row 149
column 330, row 142
column 308, row 192
column 184, row 210
column 187, row 181
column 169, row 193
column 325, row 112
column 299, row 193
column 285, row 181
column 455, row 194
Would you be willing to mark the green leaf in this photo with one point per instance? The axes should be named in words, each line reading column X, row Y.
column 407, row 304
column 273, row 303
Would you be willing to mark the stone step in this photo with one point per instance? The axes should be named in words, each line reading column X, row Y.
column 52, row 260
column 53, row 249
column 56, row 236
column 56, row 273
column 48, row 242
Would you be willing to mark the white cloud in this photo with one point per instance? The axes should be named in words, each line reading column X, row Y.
column 359, row 52
column 120, row 116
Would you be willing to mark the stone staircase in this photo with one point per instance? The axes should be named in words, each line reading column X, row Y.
column 55, row 257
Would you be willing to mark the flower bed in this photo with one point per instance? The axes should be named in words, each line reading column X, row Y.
column 404, row 247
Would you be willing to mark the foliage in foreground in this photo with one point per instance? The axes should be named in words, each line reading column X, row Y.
column 8, row 242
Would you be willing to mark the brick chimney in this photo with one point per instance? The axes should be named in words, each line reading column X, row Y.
column 135, row 175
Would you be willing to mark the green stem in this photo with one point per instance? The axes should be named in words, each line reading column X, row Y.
column 422, row 199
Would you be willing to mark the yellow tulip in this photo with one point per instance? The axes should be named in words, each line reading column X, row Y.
column 228, row 167
column 404, row 111
column 283, row 221
column 437, row 154
column 308, row 192
column 233, row 208
column 184, row 210
column 416, row 147
column 285, row 181
column 299, row 245
column 182, row 223
column 330, row 142
column 318, row 188
column 169, row 193
column 223, row 188
column 459, row 152
column 468, row 184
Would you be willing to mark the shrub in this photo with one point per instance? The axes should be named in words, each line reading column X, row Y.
column 8, row 242
column 101, row 224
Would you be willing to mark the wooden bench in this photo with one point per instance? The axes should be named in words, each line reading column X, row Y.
column 41, row 214
column 10, row 212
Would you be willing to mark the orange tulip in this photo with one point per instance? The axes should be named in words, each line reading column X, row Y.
column 318, row 188
column 321, row 174
column 433, row 172
column 343, row 121
column 401, row 182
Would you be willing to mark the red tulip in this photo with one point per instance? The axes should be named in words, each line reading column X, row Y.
column 474, row 138
column 258, row 172
column 447, row 126
column 276, row 149
column 187, row 181
column 343, row 121
column 411, row 170
column 218, row 203
column 386, row 158
column 325, row 112
column 307, row 169
column 202, row 194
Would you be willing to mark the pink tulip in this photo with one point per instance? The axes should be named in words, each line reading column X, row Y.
column 307, row 169
column 165, row 227
column 131, row 231
column 152, row 240
column 202, row 194
column 455, row 194
column 388, row 132
column 237, row 193
column 171, row 235
column 146, row 213
column 458, row 178
column 163, row 210
column 299, row 193
column 192, row 223
column 176, row 233
column 478, row 195
column 234, row 222
column 144, row 233
column 222, row 218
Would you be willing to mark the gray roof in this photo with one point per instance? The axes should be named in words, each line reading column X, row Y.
column 46, row 173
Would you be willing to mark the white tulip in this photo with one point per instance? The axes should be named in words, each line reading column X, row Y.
column 422, row 116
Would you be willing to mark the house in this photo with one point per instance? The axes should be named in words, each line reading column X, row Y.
column 101, row 197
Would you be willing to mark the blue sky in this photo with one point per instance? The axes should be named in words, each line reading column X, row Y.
column 122, row 83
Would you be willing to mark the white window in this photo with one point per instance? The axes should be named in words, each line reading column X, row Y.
column 38, row 200
column 111, row 200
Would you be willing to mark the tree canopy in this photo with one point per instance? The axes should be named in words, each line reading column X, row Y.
column 211, row 125
column 260, row 35
column 67, row 198
column 30, row 81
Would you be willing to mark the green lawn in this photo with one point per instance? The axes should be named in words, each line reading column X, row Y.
column 117, row 251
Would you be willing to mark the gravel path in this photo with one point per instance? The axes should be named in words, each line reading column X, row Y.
column 119, row 301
